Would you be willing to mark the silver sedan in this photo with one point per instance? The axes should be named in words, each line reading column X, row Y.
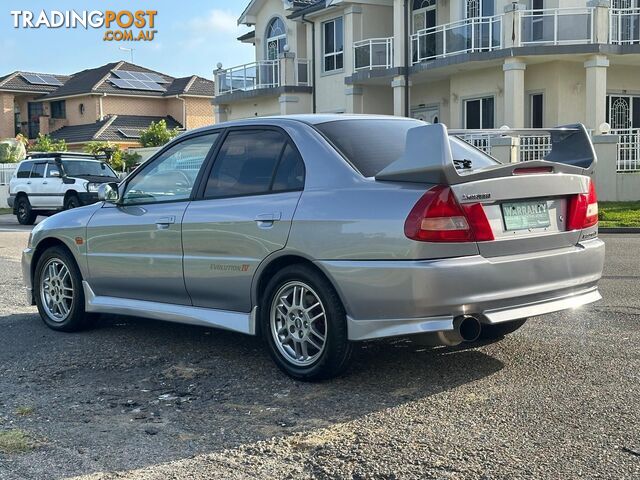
column 318, row 232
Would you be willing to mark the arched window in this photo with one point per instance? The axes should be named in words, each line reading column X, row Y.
column 621, row 113
column 424, row 14
column 276, row 38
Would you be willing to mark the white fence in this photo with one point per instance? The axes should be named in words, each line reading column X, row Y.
column 534, row 147
column 628, row 152
column 251, row 76
column 624, row 26
column 6, row 172
column 373, row 53
column 557, row 26
column 478, row 34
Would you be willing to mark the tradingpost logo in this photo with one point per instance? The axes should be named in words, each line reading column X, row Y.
column 120, row 26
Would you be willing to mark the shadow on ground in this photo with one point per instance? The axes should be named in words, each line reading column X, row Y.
column 132, row 393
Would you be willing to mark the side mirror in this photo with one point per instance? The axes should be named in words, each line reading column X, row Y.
column 55, row 173
column 108, row 192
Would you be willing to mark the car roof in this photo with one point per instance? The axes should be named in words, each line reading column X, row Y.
column 63, row 155
column 309, row 119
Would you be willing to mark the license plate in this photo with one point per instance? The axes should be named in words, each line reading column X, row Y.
column 525, row 215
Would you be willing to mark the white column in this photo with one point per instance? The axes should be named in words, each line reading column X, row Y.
column 399, row 98
column 352, row 33
column 514, row 92
column 596, row 91
column 398, row 33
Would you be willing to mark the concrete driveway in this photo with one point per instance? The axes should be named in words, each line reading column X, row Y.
column 137, row 399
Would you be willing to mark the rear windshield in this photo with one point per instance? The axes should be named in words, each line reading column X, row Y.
column 372, row 145
column 88, row 168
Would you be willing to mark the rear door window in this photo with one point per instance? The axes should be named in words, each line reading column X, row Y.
column 38, row 170
column 246, row 164
column 24, row 170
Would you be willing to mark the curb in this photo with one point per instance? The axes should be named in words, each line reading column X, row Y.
column 620, row 230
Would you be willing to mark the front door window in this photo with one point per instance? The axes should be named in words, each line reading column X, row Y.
column 170, row 177
column 35, row 112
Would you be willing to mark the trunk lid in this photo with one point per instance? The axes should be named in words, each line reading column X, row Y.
column 526, row 204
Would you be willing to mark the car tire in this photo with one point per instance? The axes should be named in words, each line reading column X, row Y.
column 499, row 330
column 302, row 316
column 71, row 202
column 24, row 212
column 58, row 291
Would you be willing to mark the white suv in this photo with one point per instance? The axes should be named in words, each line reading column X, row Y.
column 46, row 183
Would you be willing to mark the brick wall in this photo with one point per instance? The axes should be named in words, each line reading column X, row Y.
column 199, row 112
column 6, row 116
column 134, row 106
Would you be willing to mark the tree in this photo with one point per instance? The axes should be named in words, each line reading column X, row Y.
column 45, row 143
column 157, row 134
column 118, row 159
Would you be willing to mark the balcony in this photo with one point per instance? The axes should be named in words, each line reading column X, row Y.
column 479, row 34
column 557, row 26
column 263, row 74
column 373, row 53
column 624, row 26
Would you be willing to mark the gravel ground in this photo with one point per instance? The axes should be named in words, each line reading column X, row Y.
column 134, row 399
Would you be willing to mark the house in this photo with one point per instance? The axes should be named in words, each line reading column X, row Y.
column 472, row 64
column 113, row 102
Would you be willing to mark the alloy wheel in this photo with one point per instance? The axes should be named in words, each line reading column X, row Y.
column 56, row 290
column 298, row 323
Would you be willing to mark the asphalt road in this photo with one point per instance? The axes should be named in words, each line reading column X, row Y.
column 134, row 399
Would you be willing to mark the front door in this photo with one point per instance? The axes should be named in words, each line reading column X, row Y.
column 35, row 182
column 52, row 187
column 134, row 248
column 35, row 111
column 244, row 214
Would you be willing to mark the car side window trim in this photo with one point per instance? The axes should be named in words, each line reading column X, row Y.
column 207, row 172
column 152, row 161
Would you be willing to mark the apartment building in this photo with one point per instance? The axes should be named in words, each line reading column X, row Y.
column 474, row 64
column 113, row 102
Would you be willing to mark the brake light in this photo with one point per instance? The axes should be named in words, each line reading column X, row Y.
column 532, row 170
column 438, row 217
column 582, row 210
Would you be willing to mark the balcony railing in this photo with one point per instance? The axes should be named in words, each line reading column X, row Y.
column 479, row 34
column 624, row 26
column 557, row 26
column 251, row 76
column 373, row 53
column 628, row 159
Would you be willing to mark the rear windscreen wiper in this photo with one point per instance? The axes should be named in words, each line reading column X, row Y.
column 463, row 164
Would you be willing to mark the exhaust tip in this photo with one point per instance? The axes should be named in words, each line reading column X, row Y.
column 469, row 328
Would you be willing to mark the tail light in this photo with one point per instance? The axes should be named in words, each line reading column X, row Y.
column 582, row 211
column 438, row 217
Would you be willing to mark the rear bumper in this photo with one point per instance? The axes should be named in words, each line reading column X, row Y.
column 391, row 298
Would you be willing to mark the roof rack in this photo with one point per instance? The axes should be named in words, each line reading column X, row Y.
column 58, row 155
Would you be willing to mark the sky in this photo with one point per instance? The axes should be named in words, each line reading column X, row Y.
column 193, row 37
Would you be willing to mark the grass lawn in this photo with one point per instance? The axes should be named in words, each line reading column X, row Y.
column 6, row 211
column 619, row 214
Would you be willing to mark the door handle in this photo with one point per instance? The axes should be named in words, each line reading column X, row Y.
column 45, row 183
column 164, row 222
column 268, row 217
column 28, row 183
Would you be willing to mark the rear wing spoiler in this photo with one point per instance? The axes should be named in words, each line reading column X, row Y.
column 428, row 159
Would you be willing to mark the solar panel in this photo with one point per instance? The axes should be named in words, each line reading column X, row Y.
column 142, row 76
column 137, row 85
column 36, row 79
column 129, row 132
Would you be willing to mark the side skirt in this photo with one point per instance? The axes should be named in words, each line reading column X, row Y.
column 205, row 317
